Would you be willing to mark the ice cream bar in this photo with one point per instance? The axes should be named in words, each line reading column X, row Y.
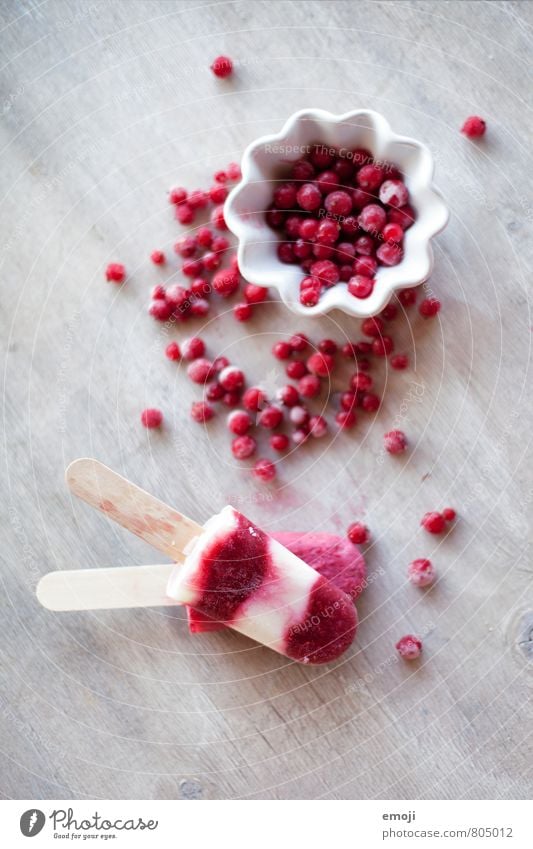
column 335, row 558
column 237, row 574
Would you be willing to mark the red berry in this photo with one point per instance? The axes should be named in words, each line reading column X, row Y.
column 255, row 294
column 309, row 197
column 234, row 171
column 370, row 177
column 286, row 252
column 160, row 309
column 279, row 442
column 321, row 156
column 320, row 364
column 299, row 342
column 253, row 398
column 327, row 346
column 327, row 233
column 434, row 522
column 186, row 247
column 282, row 350
column 158, row 292
column 409, row 647
column 231, row 378
column 300, row 435
column 382, row 346
column 219, row 244
column 285, row 196
column 218, row 193
column 338, row 203
column 389, row 254
column 185, row 213
column 310, row 289
column 200, row 307
column 370, row 402
column 365, row 265
column 325, row 271
column 212, row 260
column 204, row 237
column 193, row 348
column 345, row 419
column 157, row 257
column 220, row 363
column 372, row 218
column 448, row 514
column 394, row 193
column 217, row 218
column 302, row 170
column 347, row 401
column 226, row 282
column 399, row 361
column 421, row 572
column 365, row 245
column 264, row 471
column 407, row 297
column 242, row 312
column 288, row 395
column 318, row 426
column 405, row 216
column 270, row 418
column 360, row 382
column 392, row 233
column 239, row 422
column 115, row 272
column 172, row 351
column 222, row 66
column 372, row 326
column 389, row 312
column 200, row 370
column 192, row 267
column 201, row 411
column 231, row 399
column 151, row 417
column 296, row 370
column 360, row 286
column 198, row 199
column 429, row 307
column 327, row 181
column 309, row 386
column 220, row 177
column 358, row 533
column 308, row 229
column 243, row 447
column 474, row 127
column 299, row 415
column 395, row 442
column 214, row 392
column 177, row 195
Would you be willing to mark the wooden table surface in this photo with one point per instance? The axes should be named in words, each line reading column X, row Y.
column 106, row 105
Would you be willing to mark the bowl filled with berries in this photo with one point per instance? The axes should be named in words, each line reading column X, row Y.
column 336, row 212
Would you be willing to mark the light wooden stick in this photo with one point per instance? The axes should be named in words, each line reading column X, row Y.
column 104, row 589
column 142, row 514
column 132, row 507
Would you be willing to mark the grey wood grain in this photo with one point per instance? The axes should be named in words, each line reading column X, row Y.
column 104, row 106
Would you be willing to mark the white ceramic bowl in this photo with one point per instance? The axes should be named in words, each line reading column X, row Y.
column 267, row 159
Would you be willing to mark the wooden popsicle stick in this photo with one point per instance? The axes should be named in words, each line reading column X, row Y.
column 105, row 589
column 132, row 507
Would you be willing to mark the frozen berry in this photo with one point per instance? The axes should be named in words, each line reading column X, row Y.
column 177, row 195
column 234, row 171
column 214, row 392
column 198, row 199
column 474, row 127
column 157, row 257
column 218, row 193
column 226, row 282
column 392, row 233
column 382, row 346
column 243, row 312
column 185, row 213
column 219, row 244
column 399, row 361
column 338, row 203
column 365, row 265
column 372, row 218
column 279, row 441
column 325, row 272
column 115, row 272
column 201, row 411
column 309, row 197
column 327, row 346
column 193, row 348
column 285, row 196
column 270, row 418
column 299, row 342
column 264, row 471
column 389, row 312
column 389, row 254
column 370, row 177
column 192, row 267
column 370, row 402
column 282, row 350
column 320, row 364
column 358, row 533
column 393, row 193
column 433, row 522
column 151, row 417
column 231, row 399
column 407, row 297
column 160, row 309
column 360, row 382
column 429, row 307
column 421, row 572
column 253, row 399
column 200, row 370
column 239, row 422
column 172, row 351
column 231, row 378
column 309, row 386
column 346, row 419
column 318, row 426
column 288, row 395
column 204, row 237
column 299, row 415
column 448, row 514
column 222, row 67
column 186, row 247
column 217, row 218
column 372, row 327
column 409, row 647
column 395, row 442
column 255, row 294
column 296, row 369
column 360, row 286
column 243, row 447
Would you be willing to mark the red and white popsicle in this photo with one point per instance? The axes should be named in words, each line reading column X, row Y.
column 229, row 570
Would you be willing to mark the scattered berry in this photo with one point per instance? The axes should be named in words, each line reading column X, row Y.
column 172, row 351
column 395, row 442
column 409, row 647
column 151, row 417
column 270, row 417
column 320, row 364
column 399, row 361
column 421, row 572
column 429, row 307
column 309, row 386
column 231, row 378
column 201, row 411
column 239, row 422
column 177, row 195
column 157, row 257
column 255, row 294
column 242, row 312
column 288, row 395
column 226, row 282
column 434, row 523
column 449, row 514
column 318, row 426
column 474, row 127
column 243, row 447
column 264, row 471
column 193, row 348
column 358, row 533
column 253, row 399
column 222, row 67
column 282, row 350
column 279, row 442
column 200, row 370
column 115, row 272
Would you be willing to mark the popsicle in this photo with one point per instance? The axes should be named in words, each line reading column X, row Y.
column 335, row 558
column 232, row 572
